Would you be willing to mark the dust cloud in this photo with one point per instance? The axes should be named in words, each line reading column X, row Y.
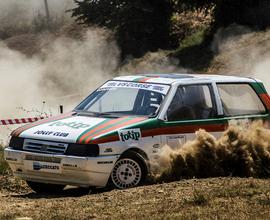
column 241, row 151
column 65, row 68
column 151, row 62
column 19, row 16
column 243, row 52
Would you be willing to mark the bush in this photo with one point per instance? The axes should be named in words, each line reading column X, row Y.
column 139, row 26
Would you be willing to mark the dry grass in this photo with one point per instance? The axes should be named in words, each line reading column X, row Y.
column 217, row 198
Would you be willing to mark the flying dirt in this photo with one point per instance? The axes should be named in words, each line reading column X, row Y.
column 242, row 151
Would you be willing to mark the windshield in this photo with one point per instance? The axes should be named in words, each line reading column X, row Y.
column 127, row 98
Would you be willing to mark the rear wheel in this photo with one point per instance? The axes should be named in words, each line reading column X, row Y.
column 129, row 171
column 45, row 187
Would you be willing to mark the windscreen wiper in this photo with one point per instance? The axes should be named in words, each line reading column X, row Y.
column 109, row 114
column 87, row 113
column 96, row 114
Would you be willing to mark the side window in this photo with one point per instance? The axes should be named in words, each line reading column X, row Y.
column 240, row 99
column 191, row 102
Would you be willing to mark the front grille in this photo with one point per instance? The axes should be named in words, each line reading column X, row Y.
column 44, row 146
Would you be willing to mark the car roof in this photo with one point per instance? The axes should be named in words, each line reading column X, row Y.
column 171, row 78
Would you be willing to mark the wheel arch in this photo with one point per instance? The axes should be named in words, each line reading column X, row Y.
column 138, row 151
column 141, row 153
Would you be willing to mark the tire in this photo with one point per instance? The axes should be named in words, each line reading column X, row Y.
column 129, row 171
column 45, row 187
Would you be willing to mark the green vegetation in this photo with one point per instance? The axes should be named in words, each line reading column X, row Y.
column 143, row 26
column 139, row 26
column 195, row 39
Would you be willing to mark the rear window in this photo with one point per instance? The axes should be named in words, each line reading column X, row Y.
column 240, row 99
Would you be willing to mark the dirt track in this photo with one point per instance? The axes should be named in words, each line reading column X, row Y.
column 217, row 198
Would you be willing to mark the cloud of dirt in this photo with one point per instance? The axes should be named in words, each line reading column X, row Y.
column 30, row 15
column 152, row 62
column 242, row 52
column 240, row 151
column 64, row 72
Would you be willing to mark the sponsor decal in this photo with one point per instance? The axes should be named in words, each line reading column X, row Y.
column 108, row 150
column 40, row 166
column 104, row 162
column 130, row 135
column 51, row 133
column 176, row 141
column 74, row 125
column 70, row 165
column 136, row 85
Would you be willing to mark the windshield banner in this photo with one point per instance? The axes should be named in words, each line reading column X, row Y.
column 146, row 86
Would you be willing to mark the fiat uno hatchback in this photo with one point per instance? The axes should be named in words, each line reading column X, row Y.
column 116, row 133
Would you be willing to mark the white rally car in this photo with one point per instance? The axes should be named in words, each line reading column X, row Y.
column 117, row 131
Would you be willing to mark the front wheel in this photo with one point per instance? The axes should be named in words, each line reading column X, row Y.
column 45, row 187
column 129, row 171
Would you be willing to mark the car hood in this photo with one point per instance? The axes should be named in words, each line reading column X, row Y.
column 77, row 129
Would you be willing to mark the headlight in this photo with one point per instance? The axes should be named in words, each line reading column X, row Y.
column 83, row 150
column 16, row 143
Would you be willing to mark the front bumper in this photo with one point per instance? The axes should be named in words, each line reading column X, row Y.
column 61, row 169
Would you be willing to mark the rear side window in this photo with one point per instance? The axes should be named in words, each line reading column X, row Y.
column 240, row 99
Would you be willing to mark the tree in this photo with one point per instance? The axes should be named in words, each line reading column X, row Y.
column 139, row 25
column 253, row 13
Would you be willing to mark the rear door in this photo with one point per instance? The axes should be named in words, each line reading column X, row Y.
column 193, row 107
column 210, row 107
